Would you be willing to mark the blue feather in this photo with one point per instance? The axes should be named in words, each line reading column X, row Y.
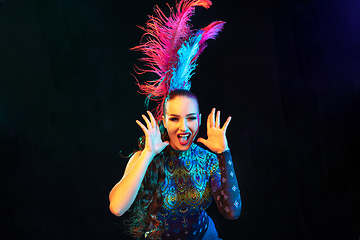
column 186, row 64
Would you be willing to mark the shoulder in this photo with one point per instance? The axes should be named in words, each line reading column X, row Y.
column 208, row 158
column 203, row 153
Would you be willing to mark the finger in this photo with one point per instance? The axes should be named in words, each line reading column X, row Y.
column 212, row 121
column 217, row 121
column 142, row 127
column 226, row 124
column 152, row 119
column 208, row 121
column 149, row 126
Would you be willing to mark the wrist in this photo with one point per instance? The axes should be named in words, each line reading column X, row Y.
column 222, row 149
column 148, row 154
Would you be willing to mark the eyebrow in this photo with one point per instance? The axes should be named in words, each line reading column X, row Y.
column 175, row 115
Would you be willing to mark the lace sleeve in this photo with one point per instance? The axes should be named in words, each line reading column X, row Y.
column 225, row 187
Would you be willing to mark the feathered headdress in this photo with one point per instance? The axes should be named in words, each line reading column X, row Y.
column 172, row 48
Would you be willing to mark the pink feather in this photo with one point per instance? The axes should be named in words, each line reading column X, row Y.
column 209, row 32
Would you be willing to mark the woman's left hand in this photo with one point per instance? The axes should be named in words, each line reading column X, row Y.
column 216, row 141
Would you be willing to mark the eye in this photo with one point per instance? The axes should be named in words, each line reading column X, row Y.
column 192, row 118
column 173, row 119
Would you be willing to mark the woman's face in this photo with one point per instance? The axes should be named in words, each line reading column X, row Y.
column 182, row 121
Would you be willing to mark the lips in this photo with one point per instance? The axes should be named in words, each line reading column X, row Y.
column 184, row 138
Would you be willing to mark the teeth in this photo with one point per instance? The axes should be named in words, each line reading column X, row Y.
column 185, row 136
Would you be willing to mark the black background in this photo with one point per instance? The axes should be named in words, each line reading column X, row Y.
column 288, row 72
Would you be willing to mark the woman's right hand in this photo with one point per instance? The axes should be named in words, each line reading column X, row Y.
column 125, row 191
column 153, row 142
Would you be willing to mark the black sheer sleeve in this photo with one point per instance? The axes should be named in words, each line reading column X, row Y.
column 225, row 188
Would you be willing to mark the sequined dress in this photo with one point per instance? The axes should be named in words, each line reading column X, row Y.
column 192, row 179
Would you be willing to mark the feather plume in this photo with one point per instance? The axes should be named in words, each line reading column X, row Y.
column 209, row 32
column 186, row 64
column 188, row 54
column 171, row 48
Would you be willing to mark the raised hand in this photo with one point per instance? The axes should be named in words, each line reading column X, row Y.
column 216, row 141
column 153, row 143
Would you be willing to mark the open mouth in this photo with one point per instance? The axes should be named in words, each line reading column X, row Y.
column 184, row 138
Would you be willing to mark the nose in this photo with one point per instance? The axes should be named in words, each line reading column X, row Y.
column 183, row 125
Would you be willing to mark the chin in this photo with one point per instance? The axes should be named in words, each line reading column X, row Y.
column 183, row 147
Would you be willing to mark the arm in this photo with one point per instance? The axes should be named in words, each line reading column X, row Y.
column 125, row 191
column 222, row 174
column 225, row 187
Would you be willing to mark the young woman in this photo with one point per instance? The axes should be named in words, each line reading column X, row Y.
column 171, row 181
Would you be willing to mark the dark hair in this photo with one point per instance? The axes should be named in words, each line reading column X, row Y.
column 180, row 93
column 149, row 200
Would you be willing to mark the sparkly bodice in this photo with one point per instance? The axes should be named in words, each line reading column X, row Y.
column 190, row 177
